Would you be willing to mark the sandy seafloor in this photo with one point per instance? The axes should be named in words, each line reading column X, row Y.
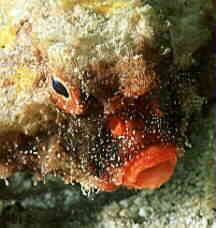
column 186, row 201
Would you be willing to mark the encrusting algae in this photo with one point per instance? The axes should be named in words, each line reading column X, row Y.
column 87, row 94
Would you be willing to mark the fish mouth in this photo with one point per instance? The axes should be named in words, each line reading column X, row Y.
column 151, row 168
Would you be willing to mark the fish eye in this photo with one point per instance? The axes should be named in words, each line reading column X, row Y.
column 59, row 88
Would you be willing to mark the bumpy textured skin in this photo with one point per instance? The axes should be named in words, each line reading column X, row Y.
column 188, row 198
column 125, row 95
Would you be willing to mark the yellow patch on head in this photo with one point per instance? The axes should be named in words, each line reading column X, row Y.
column 24, row 78
column 7, row 35
column 100, row 6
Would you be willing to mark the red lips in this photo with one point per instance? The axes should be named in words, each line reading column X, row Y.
column 150, row 168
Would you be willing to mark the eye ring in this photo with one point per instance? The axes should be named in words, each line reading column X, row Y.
column 59, row 88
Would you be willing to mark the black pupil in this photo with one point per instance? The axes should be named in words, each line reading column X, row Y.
column 59, row 88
